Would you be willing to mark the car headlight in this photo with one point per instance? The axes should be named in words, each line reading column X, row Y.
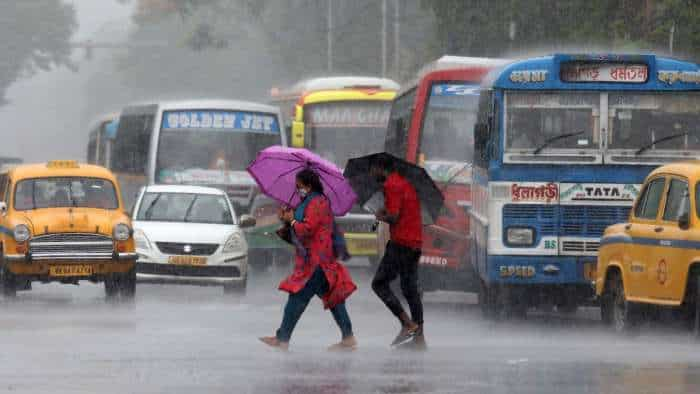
column 121, row 232
column 141, row 240
column 235, row 243
column 22, row 233
column 520, row 236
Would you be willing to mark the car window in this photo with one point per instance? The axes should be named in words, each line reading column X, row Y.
column 3, row 185
column 677, row 200
column 185, row 207
column 648, row 204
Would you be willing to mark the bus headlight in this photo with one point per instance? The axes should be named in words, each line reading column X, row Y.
column 121, row 232
column 22, row 233
column 520, row 236
column 235, row 243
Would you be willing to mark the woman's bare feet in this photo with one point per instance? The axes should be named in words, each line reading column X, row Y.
column 274, row 342
column 345, row 345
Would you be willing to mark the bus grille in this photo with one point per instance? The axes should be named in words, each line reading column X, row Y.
column 71, row 246
column 587, row 221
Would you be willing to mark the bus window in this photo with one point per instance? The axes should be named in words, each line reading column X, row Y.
column 396, row 141
column 132, row 143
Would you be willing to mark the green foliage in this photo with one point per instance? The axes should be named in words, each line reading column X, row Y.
column 483, row 27
column 35, row 36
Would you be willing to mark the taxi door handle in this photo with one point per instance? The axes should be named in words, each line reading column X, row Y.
column 628, row 227
column 658, row 229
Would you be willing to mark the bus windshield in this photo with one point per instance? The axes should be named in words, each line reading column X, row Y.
column 340, row 130
column 536, row 121
column 648, row 122
column 202, row 147
column 449, row 123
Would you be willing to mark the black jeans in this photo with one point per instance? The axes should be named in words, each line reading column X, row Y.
column 316, row 285
column 399, row 261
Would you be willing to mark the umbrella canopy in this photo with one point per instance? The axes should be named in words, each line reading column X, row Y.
column 275, row 169
column 357, row 172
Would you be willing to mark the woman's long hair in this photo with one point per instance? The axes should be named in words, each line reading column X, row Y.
column 309, row 177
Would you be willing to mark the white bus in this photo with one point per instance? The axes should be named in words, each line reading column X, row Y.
column 194, row 142
column 101, row 139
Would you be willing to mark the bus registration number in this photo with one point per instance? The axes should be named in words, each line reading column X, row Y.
column 516, row 271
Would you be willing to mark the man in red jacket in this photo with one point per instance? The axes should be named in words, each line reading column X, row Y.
column 403, row 213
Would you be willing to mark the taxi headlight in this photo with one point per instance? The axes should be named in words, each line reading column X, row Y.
column 235, row 243
column 121, row 232
column 520, row 236
column 22, row 233
column 141, row 240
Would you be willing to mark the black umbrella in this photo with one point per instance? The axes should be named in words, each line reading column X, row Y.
column 365, row 186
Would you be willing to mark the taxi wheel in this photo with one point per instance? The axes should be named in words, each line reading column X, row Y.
column 615, row 309
column 127, row 285
column 9, row 283
column 111, row 289
column 696, row 323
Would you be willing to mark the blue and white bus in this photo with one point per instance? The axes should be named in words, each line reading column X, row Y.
column 562, row 144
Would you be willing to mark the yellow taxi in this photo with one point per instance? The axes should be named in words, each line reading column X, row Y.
column 64, row 222
column 653, row 260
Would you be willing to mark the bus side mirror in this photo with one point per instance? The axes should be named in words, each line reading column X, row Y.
column 298, row 134
column 3, row 208
column 684, row 221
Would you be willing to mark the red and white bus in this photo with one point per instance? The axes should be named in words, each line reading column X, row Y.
column 431, row 123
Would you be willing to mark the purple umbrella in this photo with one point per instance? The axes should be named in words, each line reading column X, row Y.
column 275, row 169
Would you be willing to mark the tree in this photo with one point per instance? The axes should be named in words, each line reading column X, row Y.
column 35, row 37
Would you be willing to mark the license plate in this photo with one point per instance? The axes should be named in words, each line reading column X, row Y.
column 70, row 270
column 187, row 260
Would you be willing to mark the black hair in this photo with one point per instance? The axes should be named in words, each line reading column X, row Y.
column 309, row 177
column 382, row 161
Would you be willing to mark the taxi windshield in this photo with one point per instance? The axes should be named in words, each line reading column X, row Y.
column 68, row 192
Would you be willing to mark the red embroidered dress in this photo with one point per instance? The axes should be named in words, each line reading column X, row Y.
column 315, row 234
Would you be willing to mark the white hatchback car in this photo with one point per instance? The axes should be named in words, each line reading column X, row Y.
column 190, row 235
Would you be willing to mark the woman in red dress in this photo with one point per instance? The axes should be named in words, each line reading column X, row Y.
column 316, row 271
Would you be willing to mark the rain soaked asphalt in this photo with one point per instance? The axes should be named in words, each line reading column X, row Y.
column 181, row 339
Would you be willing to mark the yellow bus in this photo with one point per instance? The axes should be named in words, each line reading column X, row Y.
column 339, row 118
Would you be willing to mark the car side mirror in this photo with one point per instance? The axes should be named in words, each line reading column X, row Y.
column 684, row 221
column 3, row 208
column 247, row 221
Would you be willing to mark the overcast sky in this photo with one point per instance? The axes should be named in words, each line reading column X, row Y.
column 45, row 117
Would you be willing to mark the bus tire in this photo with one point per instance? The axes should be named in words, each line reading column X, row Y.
column 487, row 300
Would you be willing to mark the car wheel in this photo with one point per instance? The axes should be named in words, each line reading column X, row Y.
column 127, row 285
column 696, row 322
column 8, row 281
column 616, row 311
column 111, row 287
column 236, row 290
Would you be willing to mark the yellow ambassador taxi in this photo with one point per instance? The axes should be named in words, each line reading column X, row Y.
column 653, row 260
column 64, row 222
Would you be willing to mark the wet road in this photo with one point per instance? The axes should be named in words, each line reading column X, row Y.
column 179, row 339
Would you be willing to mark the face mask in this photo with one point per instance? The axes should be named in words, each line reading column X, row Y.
column 302, row 192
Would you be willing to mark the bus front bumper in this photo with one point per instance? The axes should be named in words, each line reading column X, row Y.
column 541, row 270
column 361, row 244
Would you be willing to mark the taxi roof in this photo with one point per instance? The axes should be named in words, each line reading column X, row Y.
column 688, row 168
column 42, row 170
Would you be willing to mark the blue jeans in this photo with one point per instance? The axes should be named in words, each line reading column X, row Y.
column 316, row 285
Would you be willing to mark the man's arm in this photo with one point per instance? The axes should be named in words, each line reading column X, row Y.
column 392, row 205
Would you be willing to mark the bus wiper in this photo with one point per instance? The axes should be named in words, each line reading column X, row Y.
column 652, row 143
column 550, row 140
